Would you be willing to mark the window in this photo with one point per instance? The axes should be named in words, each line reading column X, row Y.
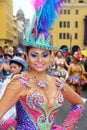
column 60, row 24
column 76, row 36
column 64, row 24
column 64, row 11
column 65, row 1
column 60, row 36
column 81, row 1
column 68, row 11
column 76, row 24
column 64, row 36
column 68, row 36
column 69, row 1
column 61, row 11
column 68, row 24
column 77, row 12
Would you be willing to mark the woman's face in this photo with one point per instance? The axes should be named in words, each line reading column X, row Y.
column 38, row 59
column 59, row 54
column 15, row 69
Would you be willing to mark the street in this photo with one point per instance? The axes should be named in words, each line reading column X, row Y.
column 62, row 114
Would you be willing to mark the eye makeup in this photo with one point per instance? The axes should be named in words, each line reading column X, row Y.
column 34, row 55
column 45, row 54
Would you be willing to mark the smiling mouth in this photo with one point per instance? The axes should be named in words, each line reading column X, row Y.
column 39, row 65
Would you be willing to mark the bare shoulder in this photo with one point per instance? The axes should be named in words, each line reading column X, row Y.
column 52, row 78
column 15, row 82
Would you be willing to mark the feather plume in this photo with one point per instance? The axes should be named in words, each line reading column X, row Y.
column 45, row 13
column 48, row 14
column 38, row 3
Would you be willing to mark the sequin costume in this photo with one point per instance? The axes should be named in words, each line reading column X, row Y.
column 32, row 111
column 75, row 75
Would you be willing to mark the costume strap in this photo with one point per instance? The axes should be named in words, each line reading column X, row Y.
column 7, row 124
column 60, row 83
column 24, row 81
column 73, row 117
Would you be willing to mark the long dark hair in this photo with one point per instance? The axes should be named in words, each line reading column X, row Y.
column 19, row 64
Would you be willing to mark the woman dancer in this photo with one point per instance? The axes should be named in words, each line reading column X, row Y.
column 37, row 95
column 5, row 68
column 61, row 64
column 75, row 70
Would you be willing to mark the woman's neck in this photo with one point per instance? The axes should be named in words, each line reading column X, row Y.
column 40, row 75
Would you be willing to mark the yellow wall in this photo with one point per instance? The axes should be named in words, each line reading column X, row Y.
column 7, row 31
column 72, row 18
column 2, row 20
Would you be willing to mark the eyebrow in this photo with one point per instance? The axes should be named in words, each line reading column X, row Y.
column 38, row 53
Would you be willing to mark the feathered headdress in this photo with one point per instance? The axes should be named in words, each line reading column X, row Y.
column 78, row 55
column 37, row 31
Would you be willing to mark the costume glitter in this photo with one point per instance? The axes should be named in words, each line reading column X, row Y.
column 41, row 84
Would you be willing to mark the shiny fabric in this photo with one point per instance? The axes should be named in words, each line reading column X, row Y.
column 33, row 112
column 75, row 76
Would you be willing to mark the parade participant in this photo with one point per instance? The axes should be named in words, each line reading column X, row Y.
column 17, row 65
column 5, row 68
column 37, row 95
column 75, row 70
column 1, row 62
column 60, row 61
column 61, row 64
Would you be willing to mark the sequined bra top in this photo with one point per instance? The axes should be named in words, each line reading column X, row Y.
column 33, row 113
column 76, row 71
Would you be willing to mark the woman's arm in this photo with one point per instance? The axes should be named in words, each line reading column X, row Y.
column 1, row 67
column 69, row 68
column 10, row 97
column 71, row 96
column 77, row 107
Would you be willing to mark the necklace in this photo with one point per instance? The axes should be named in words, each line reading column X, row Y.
column 41, row 84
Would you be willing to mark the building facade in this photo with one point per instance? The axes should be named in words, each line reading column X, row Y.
column 8, row 28
column 70, row 30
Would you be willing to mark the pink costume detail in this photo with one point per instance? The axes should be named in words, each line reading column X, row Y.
column 38, row 3
column 8, row 123
column 73, row 117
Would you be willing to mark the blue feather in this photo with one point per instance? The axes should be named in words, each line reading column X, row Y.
column 48, row 15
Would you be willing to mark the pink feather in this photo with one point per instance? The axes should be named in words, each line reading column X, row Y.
column 57, row 127
column 8, row 123
column 38, row 3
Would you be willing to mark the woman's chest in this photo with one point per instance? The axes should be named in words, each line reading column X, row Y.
column 76, row 68
column 41, row 100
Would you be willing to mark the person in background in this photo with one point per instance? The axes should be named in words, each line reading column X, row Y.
column 5, row 68
column 1, row 59
column 17, row 66
column 84, row 76
column 69, row 59
column 1, row 62
column 10, row 50
column 61, row 64
column 1, row 51
column 75, row 70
